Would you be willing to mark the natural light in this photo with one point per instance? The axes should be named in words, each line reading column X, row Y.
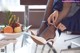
column 14, row 5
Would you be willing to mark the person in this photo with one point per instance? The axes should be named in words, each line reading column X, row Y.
column 71, row 18
column 65, row 14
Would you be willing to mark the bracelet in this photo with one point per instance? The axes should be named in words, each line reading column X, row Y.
column 43, row 21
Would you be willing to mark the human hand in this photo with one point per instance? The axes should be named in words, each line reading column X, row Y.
column 53, row 17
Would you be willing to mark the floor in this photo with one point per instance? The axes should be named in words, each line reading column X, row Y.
column 59, row 44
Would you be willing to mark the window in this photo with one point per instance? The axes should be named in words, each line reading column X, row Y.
column 37, row 7
column 12, row 5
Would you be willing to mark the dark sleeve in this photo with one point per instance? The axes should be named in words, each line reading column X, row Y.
column 58, row 5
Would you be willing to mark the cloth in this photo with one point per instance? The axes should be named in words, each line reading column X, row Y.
column 71, row 0
column 72, row 21
column 58, row 5
column 74, row 8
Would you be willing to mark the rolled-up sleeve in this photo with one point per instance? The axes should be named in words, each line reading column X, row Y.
column 58, row 5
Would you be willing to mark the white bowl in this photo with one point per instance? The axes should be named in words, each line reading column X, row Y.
column 12, row 35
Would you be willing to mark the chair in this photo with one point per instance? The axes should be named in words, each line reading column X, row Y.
column 44, row 25
column 48, row 11
column 42, row 41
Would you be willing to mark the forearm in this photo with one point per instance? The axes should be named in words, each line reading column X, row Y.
column 48, row 9
column 64, row 12
column 62, row 15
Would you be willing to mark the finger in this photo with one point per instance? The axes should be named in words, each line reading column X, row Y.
column 49, row 19
column 53, row 18
column 49, row 22
column 53, row 21
column 56, row 17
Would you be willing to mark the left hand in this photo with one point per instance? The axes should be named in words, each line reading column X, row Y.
column 53, row 17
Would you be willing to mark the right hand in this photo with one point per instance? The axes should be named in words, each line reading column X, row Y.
column 53, row 17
